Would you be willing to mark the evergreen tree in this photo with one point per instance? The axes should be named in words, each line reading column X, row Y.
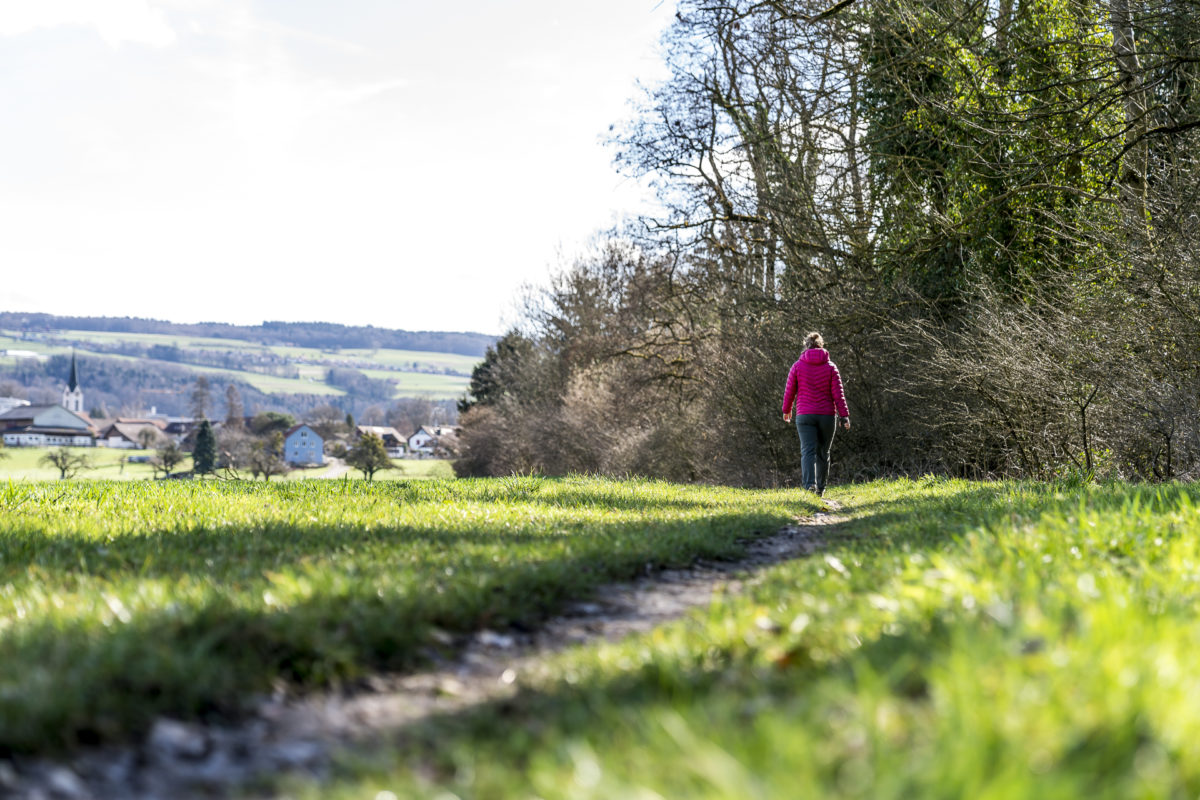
column 204, row 456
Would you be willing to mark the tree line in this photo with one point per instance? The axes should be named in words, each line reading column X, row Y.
column 990, row 209
column 325, row 335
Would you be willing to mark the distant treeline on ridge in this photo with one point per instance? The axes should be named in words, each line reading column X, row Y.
column 300, row 334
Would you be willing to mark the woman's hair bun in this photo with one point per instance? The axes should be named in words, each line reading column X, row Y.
column 813, row 340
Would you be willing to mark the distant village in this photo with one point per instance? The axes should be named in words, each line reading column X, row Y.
column 23, row 424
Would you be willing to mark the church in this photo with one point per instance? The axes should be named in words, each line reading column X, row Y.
column 63, row 425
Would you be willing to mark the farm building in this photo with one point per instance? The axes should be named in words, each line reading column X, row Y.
column 303, row 445
column 46, row 426
column 132, row 434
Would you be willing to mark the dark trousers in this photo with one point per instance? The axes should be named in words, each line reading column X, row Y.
column 816, row 438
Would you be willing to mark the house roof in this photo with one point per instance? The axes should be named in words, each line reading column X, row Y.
column 161, row 424
column 287, row 434
column 47, row 414
column 130, row 430
column 23, row 412
column 49, row 430
column 382, row 431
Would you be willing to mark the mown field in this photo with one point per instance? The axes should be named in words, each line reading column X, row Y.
column 953, row 640
column 25, row 463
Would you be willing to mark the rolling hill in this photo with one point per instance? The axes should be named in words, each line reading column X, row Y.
column 135, row 363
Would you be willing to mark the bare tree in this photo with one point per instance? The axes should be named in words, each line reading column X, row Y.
column 234, row 411
column 265, row 458
column 201, row 399
column 69, row 463
column 12, row 389
column 168, row 456
column 148, row 438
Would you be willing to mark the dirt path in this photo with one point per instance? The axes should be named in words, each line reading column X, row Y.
column 337, row 468
column 181, row 760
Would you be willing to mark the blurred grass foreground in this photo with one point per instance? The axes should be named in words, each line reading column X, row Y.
column 952, row 639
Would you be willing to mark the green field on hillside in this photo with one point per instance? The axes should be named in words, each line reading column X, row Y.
column 195, row 342
column 422, row 383
column 416, row 372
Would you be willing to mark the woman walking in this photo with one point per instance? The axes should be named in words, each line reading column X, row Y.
column 814, row 394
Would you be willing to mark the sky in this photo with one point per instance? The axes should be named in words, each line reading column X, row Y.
column 399, row 163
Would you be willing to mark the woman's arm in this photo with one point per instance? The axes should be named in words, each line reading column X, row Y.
column 839, row 396
column 789, row 393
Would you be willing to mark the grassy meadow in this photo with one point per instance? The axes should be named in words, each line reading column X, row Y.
column 123, row 600
column 24, row 464
column 955, row 640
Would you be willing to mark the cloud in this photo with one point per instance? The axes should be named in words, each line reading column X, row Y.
column 117, row 21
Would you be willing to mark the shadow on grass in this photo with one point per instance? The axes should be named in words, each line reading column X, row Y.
column 83, row 682
column 70, row 681
column 724, row 694
column 228, row 553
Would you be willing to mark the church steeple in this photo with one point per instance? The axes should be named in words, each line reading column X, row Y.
column 72, row 399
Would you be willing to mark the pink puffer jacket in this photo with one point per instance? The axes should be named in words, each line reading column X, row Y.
column 815, row 386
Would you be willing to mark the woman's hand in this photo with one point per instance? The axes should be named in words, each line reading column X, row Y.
column 846, row 423
column 787, row 417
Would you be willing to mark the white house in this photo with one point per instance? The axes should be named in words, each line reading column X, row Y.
column 433, row 440
column 302, row 445
column 46, row 426
column 423, row 442
column 128, row 434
